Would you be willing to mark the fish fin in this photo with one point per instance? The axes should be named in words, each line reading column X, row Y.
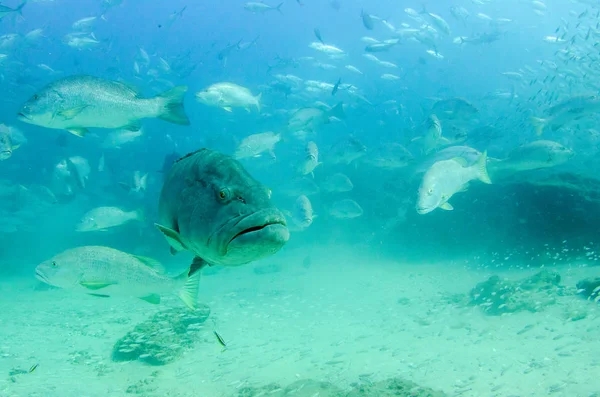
column 227, row 109
column 278, row 8
column 172, row 109
column 189, row 292
column 173, row 251
column 482, row 168
column 100, row 295
column 68, row 114
column 151, row 263
column 94, row 285
column 464, row 187
column 539, row 124
column 144, row 181
column 20, row 7
column 338, row 111
column 259, row 95
column 79, row 131
column 447, row 206
column 152, row 298
column 460, row 160
column 173, row 238
column 133, row 126
column 15, row 147
column 197, row 265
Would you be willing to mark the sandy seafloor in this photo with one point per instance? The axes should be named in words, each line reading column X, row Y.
column 346, row 316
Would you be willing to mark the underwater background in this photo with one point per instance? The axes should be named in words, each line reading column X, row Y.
column 345, row 110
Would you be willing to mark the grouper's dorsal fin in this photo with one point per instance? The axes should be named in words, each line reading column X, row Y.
column 173, row 238
column 151, row 263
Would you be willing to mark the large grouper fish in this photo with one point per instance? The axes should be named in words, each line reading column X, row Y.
column 211, row 206
column 79, row 102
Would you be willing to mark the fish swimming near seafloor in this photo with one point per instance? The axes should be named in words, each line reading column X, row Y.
column 79, row 102
column 105, row 272
column 211, row 206
column 531, row 156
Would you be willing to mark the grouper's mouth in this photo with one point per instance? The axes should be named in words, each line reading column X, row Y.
column 423, row 210
column 254, row 229
column 266, row 224
column 22, row 115
column 40, row 276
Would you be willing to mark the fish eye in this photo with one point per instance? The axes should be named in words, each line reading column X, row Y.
column 224, row 194
column 430, row 191
column 54, row 264
column 35, row 97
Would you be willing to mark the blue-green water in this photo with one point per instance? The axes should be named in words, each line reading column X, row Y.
column 366, row 111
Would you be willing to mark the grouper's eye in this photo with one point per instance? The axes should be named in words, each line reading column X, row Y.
column 54, row 264
column 36, row 97
column 224, row 194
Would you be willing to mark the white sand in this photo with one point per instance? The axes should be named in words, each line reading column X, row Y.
column 334, row 321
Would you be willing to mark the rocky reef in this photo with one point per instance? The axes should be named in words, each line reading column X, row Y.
column 163, row 338
column 590, row 288
column 498, row 296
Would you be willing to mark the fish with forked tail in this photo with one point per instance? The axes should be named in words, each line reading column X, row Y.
column 77, row 103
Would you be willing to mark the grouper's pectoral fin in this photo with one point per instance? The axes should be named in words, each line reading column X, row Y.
column 133, row 126
column 189, row 293
column 173, row 238
column 94, row 285
column 79, row 131
column 69, row 114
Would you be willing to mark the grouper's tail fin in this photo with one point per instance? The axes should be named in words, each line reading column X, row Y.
column 171, row 108
column 189, row 292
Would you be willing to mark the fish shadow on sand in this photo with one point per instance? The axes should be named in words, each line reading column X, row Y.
column 365, row 388
column 163, row 338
